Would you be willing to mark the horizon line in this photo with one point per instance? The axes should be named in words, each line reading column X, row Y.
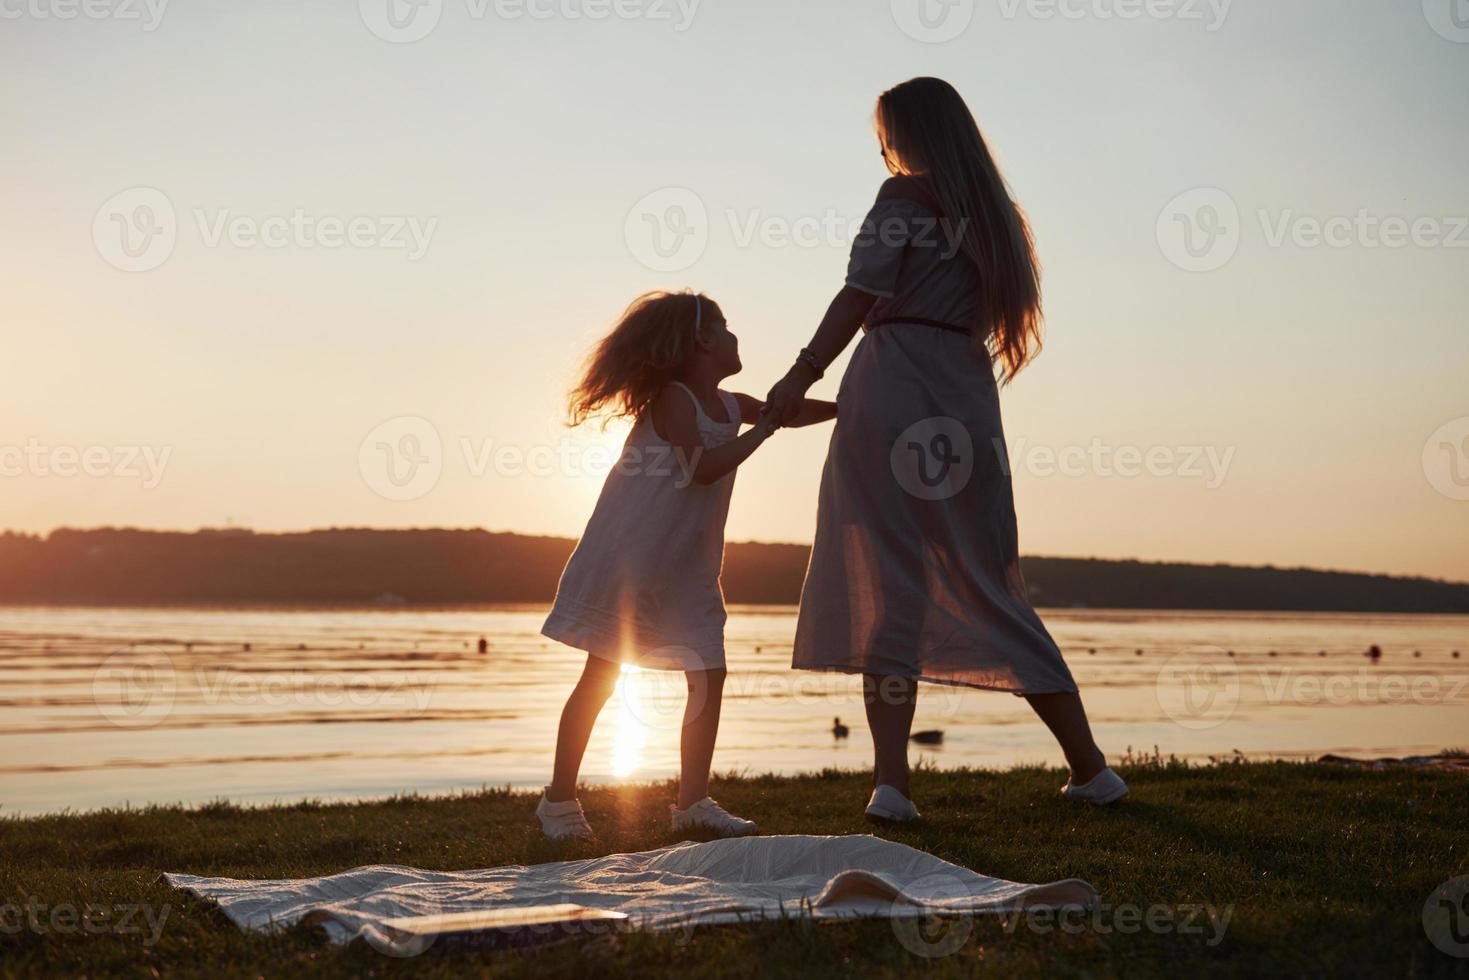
column 1198, row 563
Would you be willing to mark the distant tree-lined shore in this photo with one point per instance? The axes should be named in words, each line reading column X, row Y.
column 436, row 566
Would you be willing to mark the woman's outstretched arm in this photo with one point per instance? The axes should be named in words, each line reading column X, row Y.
column 842, row 321
column 813, row 411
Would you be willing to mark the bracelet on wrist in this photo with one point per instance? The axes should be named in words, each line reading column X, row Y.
column 808, row 357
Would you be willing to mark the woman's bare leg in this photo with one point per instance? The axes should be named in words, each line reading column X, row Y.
column 1066, row 718
column 700, row 729
column 890, row 702
column 598, row 681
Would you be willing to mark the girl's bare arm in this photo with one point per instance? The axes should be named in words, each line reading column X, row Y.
column 674, row 420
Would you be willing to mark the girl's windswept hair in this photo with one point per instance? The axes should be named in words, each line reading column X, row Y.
column 928, row 132
column 644, row 352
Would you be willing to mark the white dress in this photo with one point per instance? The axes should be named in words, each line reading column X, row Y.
column 642, row 586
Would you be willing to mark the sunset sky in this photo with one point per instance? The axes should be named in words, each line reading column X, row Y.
column 450, row 221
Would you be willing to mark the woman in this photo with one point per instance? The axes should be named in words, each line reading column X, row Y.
column 915, row 572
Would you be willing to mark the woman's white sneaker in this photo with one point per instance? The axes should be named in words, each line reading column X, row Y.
column 560, row 821
column 708, row 815
column 1105, row 787
column 889, row 804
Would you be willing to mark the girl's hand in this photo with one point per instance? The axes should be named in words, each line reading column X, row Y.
column 783, row 403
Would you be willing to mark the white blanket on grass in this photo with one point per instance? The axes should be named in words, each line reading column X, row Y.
column 671, row 888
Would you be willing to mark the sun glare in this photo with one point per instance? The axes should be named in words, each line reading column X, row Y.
column 595, row 452
column 631, row 734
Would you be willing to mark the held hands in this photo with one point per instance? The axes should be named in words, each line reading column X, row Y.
column 784, row 402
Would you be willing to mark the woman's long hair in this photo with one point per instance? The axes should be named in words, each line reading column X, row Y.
column 928, row 132
column 644, row 352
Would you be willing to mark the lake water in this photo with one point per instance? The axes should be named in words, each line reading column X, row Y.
column 99, row 707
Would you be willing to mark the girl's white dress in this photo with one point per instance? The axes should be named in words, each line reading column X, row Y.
column 642, row 586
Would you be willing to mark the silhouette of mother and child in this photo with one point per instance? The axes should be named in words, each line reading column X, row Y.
column 914, row 572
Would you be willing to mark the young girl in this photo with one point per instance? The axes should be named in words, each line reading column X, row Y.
column 642, row 586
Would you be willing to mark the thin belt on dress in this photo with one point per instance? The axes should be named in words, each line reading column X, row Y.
column 920, row 321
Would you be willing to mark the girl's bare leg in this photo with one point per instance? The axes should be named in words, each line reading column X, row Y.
column 1066, row 718
column 598, row 681
column 700, row 729
column 890, row 703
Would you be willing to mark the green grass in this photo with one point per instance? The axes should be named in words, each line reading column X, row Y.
column 1322, row 871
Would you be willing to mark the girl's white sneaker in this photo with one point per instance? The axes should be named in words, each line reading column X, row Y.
column 708, row 815
column 560, row 821
column 1105, row 787
column 889, row 804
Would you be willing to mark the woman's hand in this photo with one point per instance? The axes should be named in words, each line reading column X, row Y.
column 784, row 402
